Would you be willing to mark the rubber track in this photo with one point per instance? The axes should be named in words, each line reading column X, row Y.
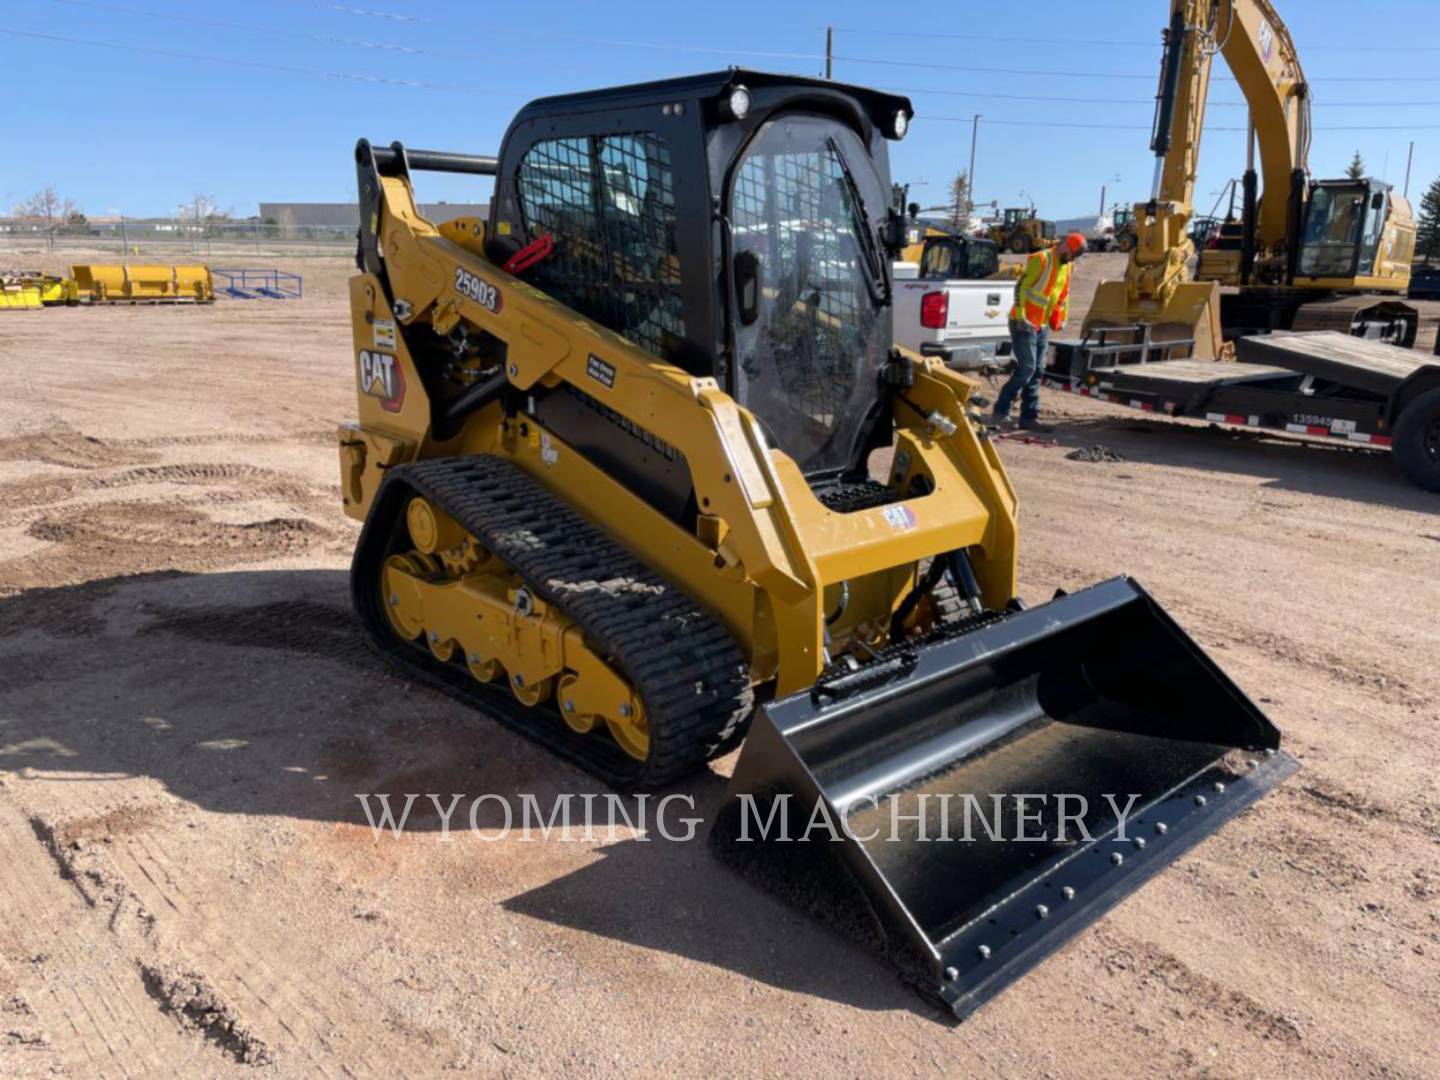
column 682, row 661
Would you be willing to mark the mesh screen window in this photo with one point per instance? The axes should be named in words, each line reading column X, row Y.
column 609, row 205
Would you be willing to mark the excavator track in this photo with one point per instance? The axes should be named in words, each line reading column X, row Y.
column 1401, row 322
column 681, row 661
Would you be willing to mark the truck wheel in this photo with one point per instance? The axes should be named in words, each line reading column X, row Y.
column 1416, row 445
column 1020, row 244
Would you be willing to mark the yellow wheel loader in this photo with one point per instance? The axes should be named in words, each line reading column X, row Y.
column 641, row 473
column 1019, row 231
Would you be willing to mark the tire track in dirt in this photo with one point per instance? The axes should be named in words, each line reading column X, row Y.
column 65, row 446
column 252, row 480
column 78, row 977
column 114, row 538
column 304, row 437
column 1191, row 992
column 247, row 970
column 229, row 992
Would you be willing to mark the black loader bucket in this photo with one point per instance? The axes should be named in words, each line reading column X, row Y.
column 968, row 805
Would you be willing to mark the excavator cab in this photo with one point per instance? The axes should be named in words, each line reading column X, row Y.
column 1345, row 223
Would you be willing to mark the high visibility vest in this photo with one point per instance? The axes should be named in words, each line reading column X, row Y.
column 1042, row 293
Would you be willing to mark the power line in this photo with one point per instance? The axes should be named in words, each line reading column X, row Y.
column 449, row 88
column 667, row 46
column 1136, row 127
column 328, row 39
column 368, row 13
column 1112, row 75
column 257, row 64
column 1148, row 102
column 871, row 31
column 252, row 28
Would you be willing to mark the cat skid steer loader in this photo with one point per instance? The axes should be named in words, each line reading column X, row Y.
column 617, row 460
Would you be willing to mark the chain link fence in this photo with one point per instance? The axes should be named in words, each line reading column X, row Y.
column 175, row 240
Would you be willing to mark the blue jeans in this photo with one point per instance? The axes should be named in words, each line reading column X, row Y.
column 1029, row 347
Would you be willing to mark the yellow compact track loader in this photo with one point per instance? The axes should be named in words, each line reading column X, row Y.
column 640, row 473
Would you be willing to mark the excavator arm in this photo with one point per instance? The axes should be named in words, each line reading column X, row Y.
column 1257, row 48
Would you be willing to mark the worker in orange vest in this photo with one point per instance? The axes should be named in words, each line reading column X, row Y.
column 1042, row 304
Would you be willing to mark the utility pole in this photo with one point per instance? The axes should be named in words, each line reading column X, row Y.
column 974, row 138
column 1410, row 157
column 829, row 49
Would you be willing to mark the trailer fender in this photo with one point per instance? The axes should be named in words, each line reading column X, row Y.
column 1420, row 381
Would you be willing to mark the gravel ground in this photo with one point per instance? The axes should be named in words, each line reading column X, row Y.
column 187, row 714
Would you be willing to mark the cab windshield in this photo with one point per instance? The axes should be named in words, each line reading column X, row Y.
column 1333, row 231
column 802, row 205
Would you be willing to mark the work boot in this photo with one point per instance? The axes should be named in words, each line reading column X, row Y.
column 998, row 420
column 1032, row 423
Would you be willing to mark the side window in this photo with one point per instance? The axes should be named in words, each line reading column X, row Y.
column 938, row 260
column 1370, row 238
column 609, row 205
column 984, row 261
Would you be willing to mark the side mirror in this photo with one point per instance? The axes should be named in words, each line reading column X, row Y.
column 913, row 209
column 893, row 233
column 748, row 273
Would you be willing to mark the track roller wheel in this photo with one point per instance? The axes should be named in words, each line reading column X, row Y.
column 402, row 604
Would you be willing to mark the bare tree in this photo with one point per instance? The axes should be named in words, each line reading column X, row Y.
column 960, row 205
column 285, row 219
column 49, row 208
column 204, row 213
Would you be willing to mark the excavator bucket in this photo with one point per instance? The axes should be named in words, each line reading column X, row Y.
column 966, row 806
column 1192, row 313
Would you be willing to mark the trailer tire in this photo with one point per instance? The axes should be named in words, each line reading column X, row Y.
column 1416, row 445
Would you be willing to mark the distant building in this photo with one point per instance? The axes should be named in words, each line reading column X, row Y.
column 346, row 215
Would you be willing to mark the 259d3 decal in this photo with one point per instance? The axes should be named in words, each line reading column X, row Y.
column 479, row 290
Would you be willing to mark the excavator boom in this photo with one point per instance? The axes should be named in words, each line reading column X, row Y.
column 1265, row 257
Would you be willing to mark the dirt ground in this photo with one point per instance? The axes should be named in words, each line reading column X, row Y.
column 187, row 882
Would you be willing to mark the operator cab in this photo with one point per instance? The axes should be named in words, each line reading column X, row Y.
column 946, row 258
column 1344, row 221
column 736, row 224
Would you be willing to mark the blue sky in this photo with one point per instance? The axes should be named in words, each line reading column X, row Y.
column 141, row 131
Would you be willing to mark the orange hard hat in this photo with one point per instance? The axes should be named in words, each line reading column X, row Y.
column 1074, row 243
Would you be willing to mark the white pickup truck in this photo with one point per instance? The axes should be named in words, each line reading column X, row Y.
column 949, row 305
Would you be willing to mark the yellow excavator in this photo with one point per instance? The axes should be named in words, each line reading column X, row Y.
column 642, row 476
column 1311, row 254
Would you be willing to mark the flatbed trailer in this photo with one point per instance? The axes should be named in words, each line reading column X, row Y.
column 1323, row 384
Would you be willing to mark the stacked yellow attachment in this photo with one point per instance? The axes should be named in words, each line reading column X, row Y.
column 22, row 290
column 141, row 284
